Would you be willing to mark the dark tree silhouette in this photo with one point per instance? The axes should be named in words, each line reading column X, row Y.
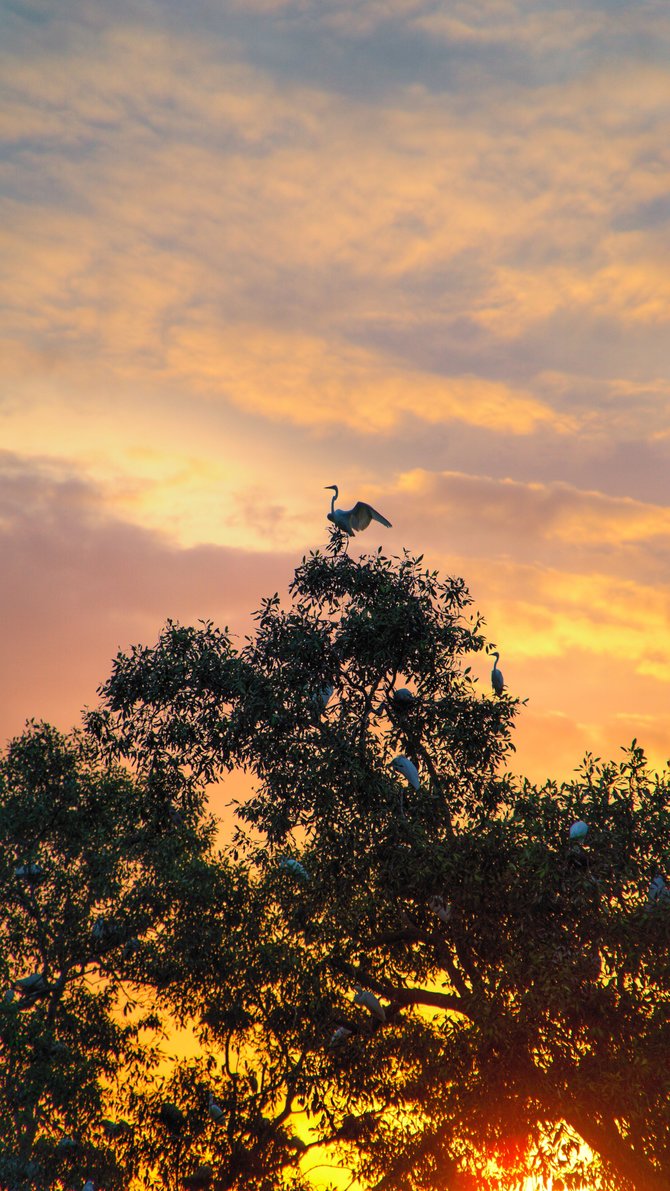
column 436, row 982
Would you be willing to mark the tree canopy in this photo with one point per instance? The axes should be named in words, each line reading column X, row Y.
column 400, row 955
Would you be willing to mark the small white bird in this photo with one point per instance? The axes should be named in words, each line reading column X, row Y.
column 439, row 907
column 408, row 769
column 658, row 890
column 215, row 1111
column 496, row 677
column 579, row 831
column 341, row 1034
column 294, row 867
column 30, row 873
column 350, row 521
column 31, row 985
column 99, row 929
column 67, row 1145
column 364, row 997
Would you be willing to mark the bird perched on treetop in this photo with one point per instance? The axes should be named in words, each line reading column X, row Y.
column 215, row 1111
column 579, row 831
column 350, row 521
column 496, row 677
column 341, row 1034
column 294, row 867
column 364, row 997
column 408, row 769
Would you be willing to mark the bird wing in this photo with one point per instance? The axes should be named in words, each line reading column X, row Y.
column 362, row 514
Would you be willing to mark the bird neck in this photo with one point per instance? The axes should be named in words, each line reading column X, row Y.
column 496, row 657
column 335, row 496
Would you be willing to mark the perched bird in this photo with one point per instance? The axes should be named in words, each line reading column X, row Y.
column 439, row 907
column 403, row 699
column 294, row 867
column 658, row 890
column 496, row 677
column 341, row 1034
column 408, row 769
column 579, row 831
column 352, row 520
column 99, row 929
column 30, row 873
column 364, row 997
column 215, row 1111
column 9, row 997
column 89, row 1185
column 31, row 985
column 67, row 1145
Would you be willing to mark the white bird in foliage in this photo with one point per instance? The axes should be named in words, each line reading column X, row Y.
column 215, row 1111
column 579, row 831
column 294, row 867
column 364, row 997
column 341, row 1034
column 658, row 890
column 440, row 908
column 30, row 873
column 408, row 769
column 496, row 677
column 350, row 521
column 67, row 1145
column 31, row 985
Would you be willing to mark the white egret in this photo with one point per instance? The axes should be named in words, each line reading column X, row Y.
column 496, row 677
column 67, row 1145
column 364, row 997
column 30, row 873
column 215, row 1111
column 31, row 985
column 350, row 521
column 408, row 769
column 440, row 908
column 341, row 1034
column 658, row 890
column 579, row 831
column 294, row 867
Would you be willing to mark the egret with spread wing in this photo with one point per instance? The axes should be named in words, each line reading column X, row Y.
column 350, row 521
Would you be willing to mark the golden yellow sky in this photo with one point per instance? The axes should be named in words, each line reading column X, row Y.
column 418, row 248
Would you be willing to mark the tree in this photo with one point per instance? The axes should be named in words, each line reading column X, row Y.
column 513, row 985
column 92, row 872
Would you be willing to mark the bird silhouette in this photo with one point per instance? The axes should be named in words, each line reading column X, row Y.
column 351, row 521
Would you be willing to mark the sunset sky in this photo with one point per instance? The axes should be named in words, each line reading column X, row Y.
column 418, row 248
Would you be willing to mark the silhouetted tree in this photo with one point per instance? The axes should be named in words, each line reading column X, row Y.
column 522, row 978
